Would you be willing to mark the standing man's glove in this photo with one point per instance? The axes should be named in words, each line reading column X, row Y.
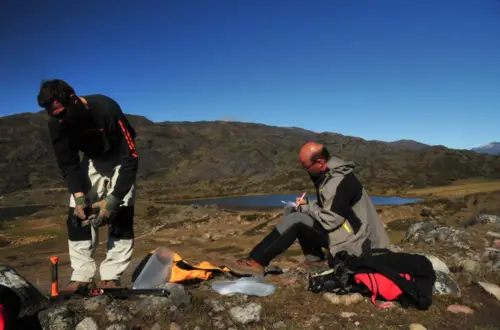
column 106, row 208
column 81, row 205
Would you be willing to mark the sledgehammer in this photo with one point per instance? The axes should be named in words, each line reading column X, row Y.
column 54, row 260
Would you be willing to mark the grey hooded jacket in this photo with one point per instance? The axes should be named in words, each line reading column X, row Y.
column 345, row 210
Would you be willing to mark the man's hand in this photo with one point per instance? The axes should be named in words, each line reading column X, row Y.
column 302, row 200
column 81, row 204
column 106, row 208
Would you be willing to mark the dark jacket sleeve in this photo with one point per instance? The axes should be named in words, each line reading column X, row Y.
column 128, row 158
column 67, row 158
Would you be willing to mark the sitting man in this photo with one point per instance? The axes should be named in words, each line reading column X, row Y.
column 342, row 218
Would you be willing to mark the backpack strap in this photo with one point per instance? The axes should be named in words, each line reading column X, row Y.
column 369, row 251
column 374, row 283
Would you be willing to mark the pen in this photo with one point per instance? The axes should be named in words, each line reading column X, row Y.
column 301, row 198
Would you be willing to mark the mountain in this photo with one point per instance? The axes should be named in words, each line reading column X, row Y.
column 408, row 145
column 492, row 148
column 201, row 159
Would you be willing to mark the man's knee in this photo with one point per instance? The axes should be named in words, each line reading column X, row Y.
column 77, row 232
column 293, row 219
column 122, row 225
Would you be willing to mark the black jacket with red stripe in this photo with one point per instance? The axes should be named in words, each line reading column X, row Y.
column 107, row 134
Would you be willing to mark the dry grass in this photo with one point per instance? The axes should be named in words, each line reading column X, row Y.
column 458, row 188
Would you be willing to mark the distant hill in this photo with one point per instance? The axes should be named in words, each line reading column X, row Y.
column 492, row 148
column 199, row 159
column 408, row 145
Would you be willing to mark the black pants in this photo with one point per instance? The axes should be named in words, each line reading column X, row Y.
column 295, row 226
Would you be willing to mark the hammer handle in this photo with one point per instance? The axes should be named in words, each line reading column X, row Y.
column 55, row 276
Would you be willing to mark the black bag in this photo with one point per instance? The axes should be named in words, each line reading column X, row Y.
column 416, row 291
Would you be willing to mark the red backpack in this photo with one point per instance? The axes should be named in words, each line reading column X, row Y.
column 380, row 286
column 392, row 276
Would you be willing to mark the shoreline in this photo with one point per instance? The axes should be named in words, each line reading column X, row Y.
column 298, row 193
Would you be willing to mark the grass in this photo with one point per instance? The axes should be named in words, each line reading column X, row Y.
column 458, row 188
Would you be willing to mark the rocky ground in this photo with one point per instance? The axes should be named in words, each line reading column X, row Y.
column 460, row 238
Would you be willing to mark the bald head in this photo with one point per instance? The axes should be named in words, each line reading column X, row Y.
column 313, row 157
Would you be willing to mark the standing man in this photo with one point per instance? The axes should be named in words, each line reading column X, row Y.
column 102, row 180
column 342, row 217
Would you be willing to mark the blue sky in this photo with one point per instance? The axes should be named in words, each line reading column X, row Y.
column 387, row 69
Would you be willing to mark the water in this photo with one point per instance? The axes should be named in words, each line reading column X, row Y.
column 273, row 201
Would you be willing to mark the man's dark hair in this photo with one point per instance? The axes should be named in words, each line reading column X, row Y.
column 55, row 89
column 322, row 154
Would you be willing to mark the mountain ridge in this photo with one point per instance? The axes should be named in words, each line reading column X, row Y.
column 215, row 158
column 492, row 148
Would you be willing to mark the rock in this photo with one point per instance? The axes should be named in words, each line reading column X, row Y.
column 218, row 324
column 156, row 326
column 438, row 264
column 491, row 288
column 309, row 324
column 348, row 299
column 469, row 265
column 116, row 313
column 485, row 219
column 96, row 303
column 459, row 309
column 154, row 305
column 347, row 315
column 87, row 323
column 118, row 327
column 493, row 234
column 215, row 305
column 59, row 318
column 417, row 326
column 430, row 232
column 426, row 211
column 446, row 285
column 174, row 326
column 279, row 325
column 247, row 313
column 178, row 296
column 461, row 245
column 248, row 217
column 395, row 248
column 491, row 254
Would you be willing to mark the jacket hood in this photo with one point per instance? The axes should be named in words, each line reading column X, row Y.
column 338, row 165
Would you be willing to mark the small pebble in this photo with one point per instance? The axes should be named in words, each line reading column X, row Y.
column 457, row 309
column 174, row 326
column 347, row 315
column 417, row 326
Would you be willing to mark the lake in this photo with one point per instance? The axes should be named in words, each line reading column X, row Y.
column 274, row 201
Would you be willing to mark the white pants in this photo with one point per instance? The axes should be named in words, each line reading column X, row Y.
column 82, row 241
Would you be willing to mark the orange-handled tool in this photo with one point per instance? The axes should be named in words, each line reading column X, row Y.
column 54, row 260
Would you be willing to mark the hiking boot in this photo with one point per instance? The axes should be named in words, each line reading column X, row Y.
column 74, row 286
column 246, row 266
column 109, row 284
